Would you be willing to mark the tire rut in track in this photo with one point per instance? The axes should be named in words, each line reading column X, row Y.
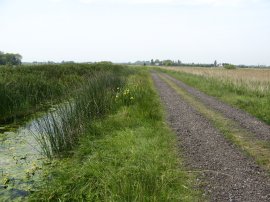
column 225, row 172
column 252, row 124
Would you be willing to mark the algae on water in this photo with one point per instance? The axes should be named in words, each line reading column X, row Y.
column 20, row 164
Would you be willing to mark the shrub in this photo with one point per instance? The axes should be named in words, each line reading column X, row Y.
column 229, row 66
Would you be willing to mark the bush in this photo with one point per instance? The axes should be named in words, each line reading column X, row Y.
column 229, row 66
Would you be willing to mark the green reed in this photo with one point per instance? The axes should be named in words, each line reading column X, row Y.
column 58, row 132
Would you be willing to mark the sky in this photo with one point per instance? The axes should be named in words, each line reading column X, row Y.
column 199, row 31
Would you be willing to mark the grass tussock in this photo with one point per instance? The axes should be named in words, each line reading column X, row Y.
column 129, row 155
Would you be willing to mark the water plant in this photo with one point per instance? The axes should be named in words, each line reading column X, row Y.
column 58, row 132
column 27, row 89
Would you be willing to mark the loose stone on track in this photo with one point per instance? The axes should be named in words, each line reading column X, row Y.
column 257, row 127
column 227, row 173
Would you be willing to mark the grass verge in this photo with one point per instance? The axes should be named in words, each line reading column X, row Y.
column 259, row 150
column 253, row 101
column 130, row 155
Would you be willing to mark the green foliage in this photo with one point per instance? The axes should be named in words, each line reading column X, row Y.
column 229, row 66
column 167, row 62
column 10, row 59
column 128, row 156
column 26, row 89
column 58, row 132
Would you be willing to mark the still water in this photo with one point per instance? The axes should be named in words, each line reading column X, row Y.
column 20, row 162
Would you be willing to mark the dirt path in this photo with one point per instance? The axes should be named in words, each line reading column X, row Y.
column 258, row 128
column 227, row 174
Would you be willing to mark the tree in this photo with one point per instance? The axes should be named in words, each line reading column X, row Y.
column 10, row 59
column 215, row 63
column 2, row 58
column 168, row 62
column 157, row 62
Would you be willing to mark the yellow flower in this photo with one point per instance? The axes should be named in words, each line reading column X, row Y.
column 6, row 180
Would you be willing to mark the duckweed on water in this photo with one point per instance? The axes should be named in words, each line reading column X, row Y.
column 19, row 163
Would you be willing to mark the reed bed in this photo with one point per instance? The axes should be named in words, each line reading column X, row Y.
column 27, row 89
column 58, row 132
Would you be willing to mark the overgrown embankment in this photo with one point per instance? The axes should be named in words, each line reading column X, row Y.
column 89, row 95
column 127, row 155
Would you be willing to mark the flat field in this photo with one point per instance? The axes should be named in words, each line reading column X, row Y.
column 251, row 78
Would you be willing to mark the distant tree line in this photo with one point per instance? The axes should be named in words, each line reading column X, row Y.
column 169, row 62
column 10, row 59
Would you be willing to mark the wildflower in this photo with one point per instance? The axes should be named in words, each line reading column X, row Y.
column 6, row 180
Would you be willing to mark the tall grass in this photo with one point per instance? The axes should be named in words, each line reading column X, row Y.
column 59, row 131
column 257, row 80
column 26, row 89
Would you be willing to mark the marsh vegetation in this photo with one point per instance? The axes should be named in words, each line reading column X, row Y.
column 27, row 89
column 103, row 139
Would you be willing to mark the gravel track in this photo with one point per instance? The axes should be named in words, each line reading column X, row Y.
column 245, row 120
column 225, row 173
